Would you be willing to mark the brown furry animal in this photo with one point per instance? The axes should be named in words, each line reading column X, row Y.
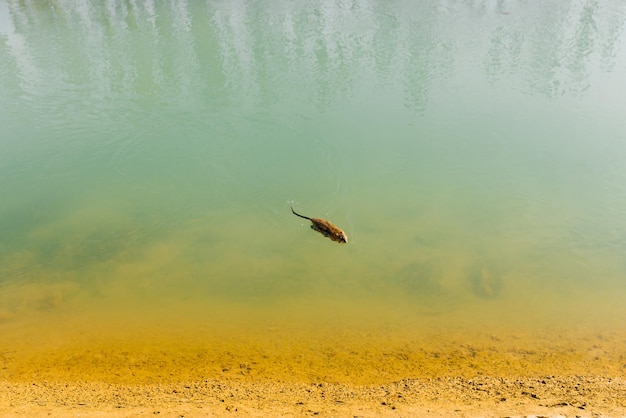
column 325, row 228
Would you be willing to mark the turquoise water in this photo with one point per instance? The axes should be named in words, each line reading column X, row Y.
column 474, row 153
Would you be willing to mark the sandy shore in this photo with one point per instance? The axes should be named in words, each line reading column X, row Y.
column 543, row 396
column 126, row 366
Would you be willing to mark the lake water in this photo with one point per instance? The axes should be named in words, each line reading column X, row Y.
column 474, row 153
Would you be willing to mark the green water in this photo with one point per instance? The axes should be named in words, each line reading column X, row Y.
column 474, row 153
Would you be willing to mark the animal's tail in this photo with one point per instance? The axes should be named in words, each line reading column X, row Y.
column 297, row 214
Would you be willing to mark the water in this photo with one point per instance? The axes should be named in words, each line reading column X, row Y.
column 150, row 152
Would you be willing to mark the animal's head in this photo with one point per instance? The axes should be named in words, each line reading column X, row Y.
column 340, row 237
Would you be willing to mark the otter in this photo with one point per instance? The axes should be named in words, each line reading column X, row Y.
column 326, row 228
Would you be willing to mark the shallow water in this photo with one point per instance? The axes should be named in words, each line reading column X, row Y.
column 474, row 153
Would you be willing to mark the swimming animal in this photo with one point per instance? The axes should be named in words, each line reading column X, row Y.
column 326, row 228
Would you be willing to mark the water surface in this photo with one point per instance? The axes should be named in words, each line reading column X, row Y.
column 474, row 153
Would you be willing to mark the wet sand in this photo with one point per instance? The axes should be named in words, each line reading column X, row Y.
column 143, row 363
column 481, row 396
column 273, row 372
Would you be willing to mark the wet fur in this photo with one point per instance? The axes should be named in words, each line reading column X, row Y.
column 325, row 228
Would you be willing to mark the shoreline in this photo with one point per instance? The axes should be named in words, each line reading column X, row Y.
column 428, row 397
column 79, row 366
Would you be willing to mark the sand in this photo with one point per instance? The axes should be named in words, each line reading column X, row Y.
column 467, row 376
column 58, row 367
column 484, row 396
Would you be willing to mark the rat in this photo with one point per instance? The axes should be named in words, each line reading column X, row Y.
column 326, row 228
